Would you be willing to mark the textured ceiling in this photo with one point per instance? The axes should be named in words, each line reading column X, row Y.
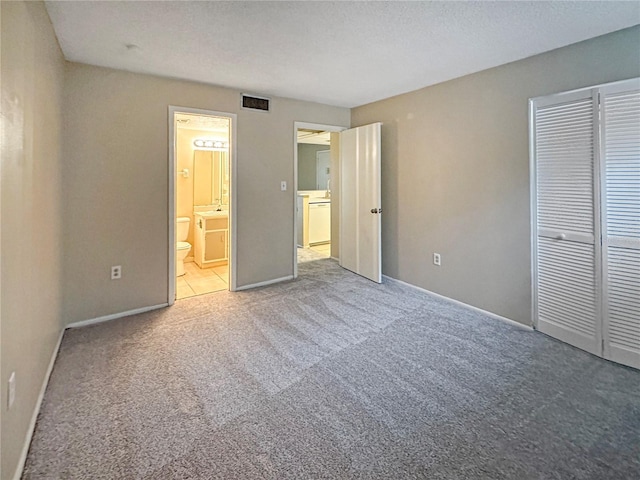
column 338, row 53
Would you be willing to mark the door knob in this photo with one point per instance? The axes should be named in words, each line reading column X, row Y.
column 562, row 236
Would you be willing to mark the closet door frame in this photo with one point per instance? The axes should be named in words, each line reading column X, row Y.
column 599, row 202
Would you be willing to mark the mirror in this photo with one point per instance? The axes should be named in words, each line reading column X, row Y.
column 314, row 162
column 210, row 178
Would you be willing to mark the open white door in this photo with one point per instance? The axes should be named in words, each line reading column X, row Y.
column 360, row 201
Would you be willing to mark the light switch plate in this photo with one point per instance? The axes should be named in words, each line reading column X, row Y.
column 283, row 185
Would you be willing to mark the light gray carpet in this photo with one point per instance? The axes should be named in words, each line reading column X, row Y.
column 331, row 376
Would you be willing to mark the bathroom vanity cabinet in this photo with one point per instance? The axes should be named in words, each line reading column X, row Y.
column 211, row 239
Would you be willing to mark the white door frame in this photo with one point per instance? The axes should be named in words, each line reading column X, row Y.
column 296, row 127
column 171, row 291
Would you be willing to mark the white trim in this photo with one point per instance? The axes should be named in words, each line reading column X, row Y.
column 296, row 127
column 233, row 202
column 36, row 411
column 114, row 316
column 233, row 155
column 171, row 207
column 551, row 97
column 461, row 304
column 265, row 283
column 533, row 209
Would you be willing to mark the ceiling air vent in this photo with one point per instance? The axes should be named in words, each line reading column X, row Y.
column 251, row 102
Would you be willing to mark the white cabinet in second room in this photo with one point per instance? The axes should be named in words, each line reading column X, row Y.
column 211, row 239
column 319, row 221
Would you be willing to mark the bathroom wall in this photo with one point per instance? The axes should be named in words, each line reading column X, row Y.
column 307, row 165
column 116, row 184
column 184, row 186
column 31, row 210
column 455, row 172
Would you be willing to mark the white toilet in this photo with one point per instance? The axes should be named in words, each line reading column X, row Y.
column 183, row 247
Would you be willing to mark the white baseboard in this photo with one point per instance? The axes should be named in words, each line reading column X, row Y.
column 36, row 411
column 462, row 304
column 106, row 318
column 265, row 283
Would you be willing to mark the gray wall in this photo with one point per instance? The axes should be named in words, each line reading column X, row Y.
column 307, row 165
column 455, row 180
column 455, row 172
column 116, row 185
column 31, row 241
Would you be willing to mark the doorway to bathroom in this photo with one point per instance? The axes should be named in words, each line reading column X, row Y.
column 201, row 217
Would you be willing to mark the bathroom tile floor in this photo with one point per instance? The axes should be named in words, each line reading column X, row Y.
column 198, row 281
column 324, row 248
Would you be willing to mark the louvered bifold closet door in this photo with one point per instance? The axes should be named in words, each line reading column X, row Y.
column 566, row 253
column 620, row 135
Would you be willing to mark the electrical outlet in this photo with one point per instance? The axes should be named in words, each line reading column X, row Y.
column 116, row 272
column 436, row 259
column 283, row 185
column 12, row 390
